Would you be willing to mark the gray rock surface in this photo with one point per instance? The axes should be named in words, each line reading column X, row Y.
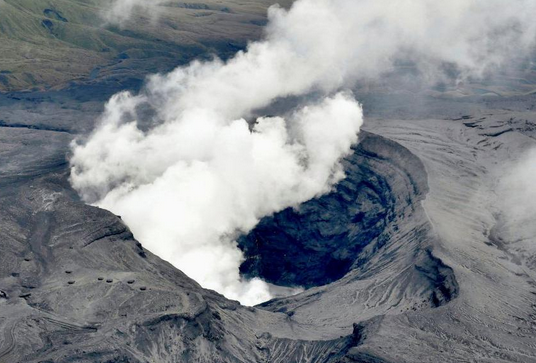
column 416, row 218
column 411, row 258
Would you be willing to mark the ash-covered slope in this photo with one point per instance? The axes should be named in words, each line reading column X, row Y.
column 427, row 279
column 414, row 257
column 467, row 149
column 492, row 319
column 77, row 287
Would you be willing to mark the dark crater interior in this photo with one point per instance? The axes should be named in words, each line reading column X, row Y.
column 325, row 238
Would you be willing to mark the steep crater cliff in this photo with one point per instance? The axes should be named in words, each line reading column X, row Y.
column 324, row 239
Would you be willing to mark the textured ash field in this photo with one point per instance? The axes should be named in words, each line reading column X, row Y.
column 412, row 258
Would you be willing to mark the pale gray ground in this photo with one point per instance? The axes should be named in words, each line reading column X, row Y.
column 438, row 282
column 411, row 259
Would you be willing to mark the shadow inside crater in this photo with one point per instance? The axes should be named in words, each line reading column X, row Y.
column 324, row 239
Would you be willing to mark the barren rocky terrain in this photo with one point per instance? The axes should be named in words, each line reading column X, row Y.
column 409, row 259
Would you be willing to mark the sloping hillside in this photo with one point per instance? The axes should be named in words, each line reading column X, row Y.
column 51, row 43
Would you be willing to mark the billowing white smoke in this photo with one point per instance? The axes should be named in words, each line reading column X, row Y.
column 188, row 184
column 186, row 187
column 119, row 12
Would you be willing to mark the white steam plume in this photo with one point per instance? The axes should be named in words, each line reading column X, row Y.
column 189, row 183
column 517, row 203
column 119, row 12
column 186, row 187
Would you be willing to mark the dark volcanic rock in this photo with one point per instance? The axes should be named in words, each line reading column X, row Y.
column 321, row 240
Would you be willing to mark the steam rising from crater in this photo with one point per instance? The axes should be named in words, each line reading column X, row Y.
column 199, row 174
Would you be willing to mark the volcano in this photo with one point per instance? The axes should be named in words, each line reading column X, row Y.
column 423, row 251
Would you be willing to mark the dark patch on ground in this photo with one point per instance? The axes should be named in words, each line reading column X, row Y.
column 54, row 14
column 323, row 239
column 48, row 25
column 443, row 285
